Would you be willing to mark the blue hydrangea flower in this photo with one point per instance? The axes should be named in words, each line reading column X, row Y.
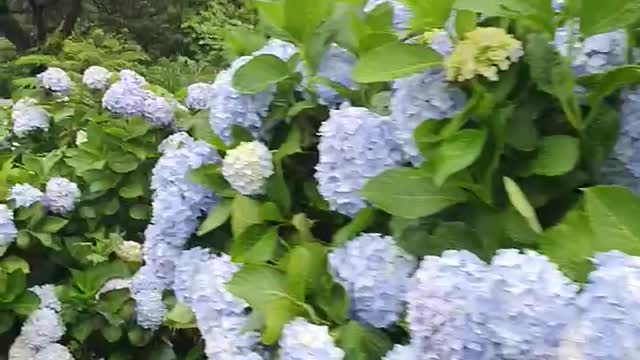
column 198, row 96
column 302, row 340
column 61, row 195
column 355, row 146
column 55, row 80
column 527, row 304
column 227, row 107
column 402, row 15
column 440, row 305
column 608, row 324
column 401, row 352
column 177, row 205
column 623, row 166
column 42, row 328
column 126, row 97
column 54, row 352
column 158, row 111
column 200, row 280
column 248, row 167
column 375, row 273
column 24, row 195
column 595, row 54
column 440, row 41
column 336, row 65
column 28, row 117
column 8, row 231
column 96, row 77
column 418, row 98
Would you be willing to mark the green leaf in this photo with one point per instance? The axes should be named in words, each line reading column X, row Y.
column 181, row 315
column 244, row 213
column 557, row 155
column 81, row 330
column 111, row 333
column 519, row 201
column 570, row 245
column 134, row 188
column 356, row 338
column 612, row 212
column 257, row 244
column 26, row 303
column 334, row 302
column 303, row 16
column 276, row 315
column 360, row 222
column 538, row 11
column 303, row 225
column 603, row 85
column 427, row 237
column 123, row 163
column 410, row 193
column 13, row 263
column 466, row 21
column 456, row 153
column 6, row 321
column 393, row 61
column 598, row 16
column 297, row 272
column 53, row 224
column 429, row 13
column 258, row 285
column 161, row 351
column 521, row 132
column 139, row 337
column 260, row 73
column 216, row 218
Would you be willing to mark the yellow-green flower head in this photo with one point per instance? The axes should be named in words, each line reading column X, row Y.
column 484, row 51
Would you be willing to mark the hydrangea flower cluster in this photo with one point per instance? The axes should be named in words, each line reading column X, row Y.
column 302, row 340
column 227, row 107
column 43, row 329
column 198, row 95
column 8, row 231
column 200, row 280
column 440, row 41
column 126, row 97
column 402, row 15
column 130, row 251
column 401, row 352
column 525, row 307
column 61, row 195
column 375, row 273
column 355, row 146
column 623, row 166
column 81, row 137
column 596, row 54
column 608, row 324
column 177, row 205
column 157, row 110
column 336, row 65
column 248, row 167
column 484, row 51
column 439, row 300
column 420, row 97
column 55, row 80
column 28, row 117
column 96, row 78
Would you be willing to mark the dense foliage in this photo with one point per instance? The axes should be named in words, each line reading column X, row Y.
column 366, row 180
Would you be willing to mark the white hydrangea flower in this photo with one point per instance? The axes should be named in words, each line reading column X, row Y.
column 81, row 137
column 248, row 167
column 25, row 195
column 55, row 80
column 28, row 117
column 8, row 231
column 61, row 195
column 302, row 340
column 129, row 251
column 54, row 352
column 96, row 77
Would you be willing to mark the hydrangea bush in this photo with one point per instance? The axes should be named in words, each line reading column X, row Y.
column 400, row 180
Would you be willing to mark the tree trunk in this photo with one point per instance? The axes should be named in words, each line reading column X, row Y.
column 13, row 31
column 72, row 17
column 39, row 21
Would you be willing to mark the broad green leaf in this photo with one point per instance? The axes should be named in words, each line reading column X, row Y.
column 244, row 213
column 357, row 338
column 123, row 163
column 13, row 263
column 303, row 16
column 429, row 13
column 257, row 244
column 26, row 303
column 612, row 212
column 277, row 314
column 139, row 337
column 258, row 285
column 297, row 272
column 111, row 333
column 133, row 188
column 53, row 224
column 597, row 16
column 210, row 176
column 393, row 61
column 603, row 85
column 557, row 155
column 360, row 222
column 260, row 73
column 181, row 315
column 334, row 301
column 6, row 321
column 466, row 21
column 425, row 237
column 303, row 225
column 81, row 329
column 538, row 11
column 521, row 132
column 410, row 193
column 161, row 351
column 519, row 201
column 570, row 245
column 602, row 134
column 218, row 215
column 456, row 153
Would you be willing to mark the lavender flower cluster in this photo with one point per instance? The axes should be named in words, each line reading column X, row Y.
column 28, row 117
column 55, row 80
column 595, row 54
column 43, row 329
column 177, row 205
column 60, row 197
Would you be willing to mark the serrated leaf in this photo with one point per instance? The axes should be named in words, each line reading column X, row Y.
column 257, row 244
column 277, row 314
column 393, row 61
column 244, row 213
column 456, row 153
column 26, row 303
column 260, row 73
column 410, row 193
column 356, row 338
column 597, row 16
column 519, row 201
column 218, row 215
column 53, row 224
column 258, row 285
